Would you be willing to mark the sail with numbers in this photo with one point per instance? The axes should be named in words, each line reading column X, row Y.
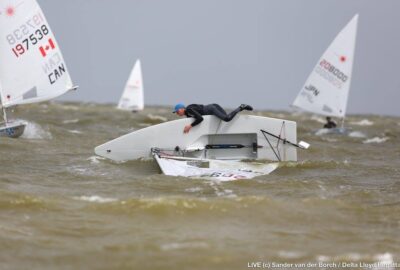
column 327, row 88
column 32, row 68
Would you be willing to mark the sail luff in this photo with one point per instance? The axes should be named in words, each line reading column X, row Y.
column 354, row 21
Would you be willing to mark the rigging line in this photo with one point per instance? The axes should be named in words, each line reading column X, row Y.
column 272, row 148
column 284, row 136
column 280, row 138
column 280, row 133
column 284, row 140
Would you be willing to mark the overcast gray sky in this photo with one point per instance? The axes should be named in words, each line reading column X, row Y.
column 225, row 51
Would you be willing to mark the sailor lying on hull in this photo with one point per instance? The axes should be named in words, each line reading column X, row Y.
column 197, row 111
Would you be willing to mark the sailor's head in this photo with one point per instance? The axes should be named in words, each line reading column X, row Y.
column 328, row 118
column 179, row 109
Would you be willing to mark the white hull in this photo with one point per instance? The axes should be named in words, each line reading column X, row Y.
column 12, row 129
column 244, row 130
column 213, row 169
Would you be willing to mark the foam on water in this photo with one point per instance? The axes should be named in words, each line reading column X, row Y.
column 220, row 191
column 376, row 140
column 357, row 134
column 95, row 159
column 385, row 261
column 154, row 117
column 187, row 245
column 363, row 122
column 96, row 199
column 74, row 131
column 322, row 131
column 35, row 131
column 194, row 189
column 378, row 261
column 290, row 254
column 71, row 121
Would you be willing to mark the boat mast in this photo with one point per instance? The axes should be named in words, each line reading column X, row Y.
column 4, row 109
column 343, row 122
column 5, row 114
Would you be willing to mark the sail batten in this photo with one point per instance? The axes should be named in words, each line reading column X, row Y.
column 326, row 90
column 32, row 67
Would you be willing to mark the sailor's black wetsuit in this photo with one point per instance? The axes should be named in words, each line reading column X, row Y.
column 197, row 111
column 330, row 124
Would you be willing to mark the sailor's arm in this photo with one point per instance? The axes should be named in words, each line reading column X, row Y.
column 197, row 116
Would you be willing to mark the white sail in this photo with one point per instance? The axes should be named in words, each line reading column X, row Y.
column 326, row 89
column 32, row 68
column 132, row 97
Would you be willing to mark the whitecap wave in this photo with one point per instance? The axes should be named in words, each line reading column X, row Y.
column 71, row 121
column 157, row 117
column 290, row 254
column 96, row 199
column 74, row 131
column 383, row 261
column 322, row 131
column 35, row 131
column 376, row 140
column 95, row 159
column 364, row 122
column 175, row 246
column 357, row 134
column 193, row 189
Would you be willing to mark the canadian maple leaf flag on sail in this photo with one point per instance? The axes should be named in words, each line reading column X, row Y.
column 45, row 48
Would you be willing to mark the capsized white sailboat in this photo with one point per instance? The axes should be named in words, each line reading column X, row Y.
column 327, row 88
column 214, row 149
column 132, row 98
column 32, row 68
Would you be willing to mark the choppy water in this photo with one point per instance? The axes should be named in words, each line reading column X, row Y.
column 61, row 207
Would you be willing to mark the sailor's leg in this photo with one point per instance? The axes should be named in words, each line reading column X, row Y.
column 233, row 114
column 239, row 109
column 215, row 109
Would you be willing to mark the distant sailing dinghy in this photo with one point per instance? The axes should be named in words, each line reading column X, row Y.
column 212, row 150
column 32, row 68
column 132, row 98
column 327, row 88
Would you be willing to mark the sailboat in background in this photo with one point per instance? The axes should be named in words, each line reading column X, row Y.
column 327, row 88
column 132, row 98
column 32, row 68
